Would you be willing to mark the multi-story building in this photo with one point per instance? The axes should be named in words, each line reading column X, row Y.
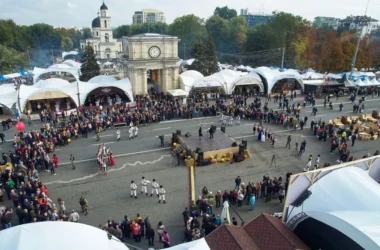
column 363, row 23
column 255, row 19
column 102, row 41
column 148, row 16
column 332, row 22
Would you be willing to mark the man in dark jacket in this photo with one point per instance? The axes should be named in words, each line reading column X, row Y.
column 150, row 234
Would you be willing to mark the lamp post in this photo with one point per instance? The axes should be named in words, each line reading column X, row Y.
column 283, row 58
column 364, row 24
column 52, row 55
column 30, row 61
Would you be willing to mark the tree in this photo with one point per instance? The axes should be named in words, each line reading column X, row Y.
column 10, row 59
column 90, row 67
column 123, row 30
column 189, row 29
column 225, row 12
column 332, row 55
column 204, row 53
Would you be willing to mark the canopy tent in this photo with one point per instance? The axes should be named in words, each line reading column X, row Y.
column 210, row 82
column 318, row 194
column 334, row 76
column 272, row 76
column 48, row 235
column 188, row 79
column 225, row 215
column 73, row 71
column 72, row 64
column 360, row 83
column 241, row 67
column 71, row 53
column 200, row 244
column 13, row 75
column 178, row 92
column 60, row 66
column 8, row 96
column 250, row 79
column 312, row 75
column 58, row 88
column 374, row 82
column 102, row 79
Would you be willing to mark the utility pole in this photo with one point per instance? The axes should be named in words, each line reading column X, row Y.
column 283, row 58
column 364, row 24
column 30, row 61
column 52, row 55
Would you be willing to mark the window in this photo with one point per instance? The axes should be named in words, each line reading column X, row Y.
column 106, row 38
column 97, row 33
column 105, row 23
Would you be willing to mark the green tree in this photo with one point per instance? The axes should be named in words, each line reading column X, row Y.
column 123, row 30
column 66, row 43
column 225, row 12
column 90, row 67
column 189, row 29
column 204, row 53
column 10, row 59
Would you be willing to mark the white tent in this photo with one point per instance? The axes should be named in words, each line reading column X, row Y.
column 312, row 75
column 8, row 96
column 178, row 92
column 200, row 244
column 367, row 82
column 102, row 79
column 58, row 235
column 213, row 81
column 345, row 197
column 72, row 63
column 188, row 79
column 13, row 75
column 359, row 83
column 272, row 76
column 334, row 76
column 374, row 82
column 72, row 53
column 60, row 66
column 250, row 79
column 70, row 70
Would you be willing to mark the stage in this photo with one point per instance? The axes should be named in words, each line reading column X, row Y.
column 219, row 145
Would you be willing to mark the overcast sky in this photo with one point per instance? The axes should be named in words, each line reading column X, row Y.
column 80, row 13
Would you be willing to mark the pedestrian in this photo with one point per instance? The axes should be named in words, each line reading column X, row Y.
column 218, row 198
column 2, row 136
column 135, row 131
column 74, row 216
column 136, row 231
column 154, row 188
column 51, row 167
column 185, row 215
column 308, row 165
column 200, row 133
column 117, row 134
column 130, row 133
column 252, row 202
column 97, row 133
column 150, row 235
column 353, row 138
column 166, row 239
column 162, row 193
column 83, row 205
column 317, row 162
column 104, row 167
column 133, row 189
column 160, row 230
column 61, row 205
column 72, row 161
column 281, row 194
column 288, row 142
column 144, row 184
column 55, row 161
column 162, row 140
column 238, row 120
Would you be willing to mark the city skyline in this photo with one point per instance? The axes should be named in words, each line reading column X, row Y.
column 63, row 13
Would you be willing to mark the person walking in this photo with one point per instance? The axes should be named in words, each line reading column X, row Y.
column 162, row 193
column 308, row 165
column 200, row 133
column 288, row 142
column 150, row 235
column 55, row 161
column 72, row 161
column 316, row 164
column 130, row 133
column 83, row 205
column 155, row 187
column 252, row 202
column 133, row 189
column 51, row 167
column 74, row 216
column 353, row 139
column 166, row 239
column 117, row 134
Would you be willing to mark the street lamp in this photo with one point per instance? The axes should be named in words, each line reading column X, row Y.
column 52, row 55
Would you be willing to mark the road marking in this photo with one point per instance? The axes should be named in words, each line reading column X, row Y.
column 105, row 143
column 161, row 128
column 103, row 136
column 185, row 120
column 120, row 155
column 204, row 123
column 164, row 135
column 276, row 132
column 109, row 171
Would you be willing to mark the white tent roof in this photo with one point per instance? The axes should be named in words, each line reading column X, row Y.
column 210, row 81
column 188, row 79
column 74, row 53
column 250, row 79
column 348, row 200
column 48, row 235
column 272, row 76
column 374, row 82
column 312, row 75
column 334, row 76
column 359, row 83
column 102, row 79
column 200, row 244
column 60, row 66
column 72, row 63
column 59, row 88
column 8, row 96
column 70, row 70
column 13, row 75
column 370, row 74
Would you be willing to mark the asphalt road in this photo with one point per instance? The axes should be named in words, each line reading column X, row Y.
column 108, row 195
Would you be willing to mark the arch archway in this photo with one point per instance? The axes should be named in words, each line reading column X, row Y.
column 54, row 100
column 109, row 96
column 5, row 110
column 58, row 74
column 285, row 85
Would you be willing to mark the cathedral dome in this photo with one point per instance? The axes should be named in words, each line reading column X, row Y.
column 96, row 23
column 103, row 7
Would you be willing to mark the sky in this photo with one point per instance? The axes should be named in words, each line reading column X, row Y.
column 80, row 13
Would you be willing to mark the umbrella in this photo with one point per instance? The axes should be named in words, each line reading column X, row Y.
column 226, row 212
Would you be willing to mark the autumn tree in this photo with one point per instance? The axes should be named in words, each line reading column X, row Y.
column 332, row 55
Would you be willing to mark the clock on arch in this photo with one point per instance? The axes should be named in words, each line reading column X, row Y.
column 154, row 52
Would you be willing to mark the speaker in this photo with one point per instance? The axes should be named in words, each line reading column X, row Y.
column 200, row 157
column 213, row 128
column 238, row 157
column 187, row 134
column 178, row 132
column 234, row 144
column 223, row 129
column 241, row 149
column 197, row 150
column 188, row 152
column 244, row 142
